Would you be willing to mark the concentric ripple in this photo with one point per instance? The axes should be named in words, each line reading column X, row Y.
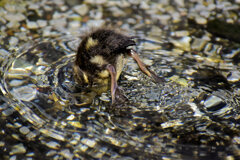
column 36, row 86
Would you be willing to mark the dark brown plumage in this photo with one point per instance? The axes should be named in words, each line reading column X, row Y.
column 100, row 59
column 110, row 45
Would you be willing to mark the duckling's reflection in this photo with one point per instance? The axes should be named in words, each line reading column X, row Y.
column 99, row 62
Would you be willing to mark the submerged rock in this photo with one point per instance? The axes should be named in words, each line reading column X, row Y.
column 18, row 149
column 225, row 30
column 25, row 93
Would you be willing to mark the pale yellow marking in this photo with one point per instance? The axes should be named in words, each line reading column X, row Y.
column 119, row 65
column 104, row 74
column 98, row 60
column 91, row 43
column 102, row 86
column 85, row 77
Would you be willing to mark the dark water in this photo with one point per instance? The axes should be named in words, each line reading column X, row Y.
column 193, row 114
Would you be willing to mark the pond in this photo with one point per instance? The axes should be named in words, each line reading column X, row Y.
column 193, row 113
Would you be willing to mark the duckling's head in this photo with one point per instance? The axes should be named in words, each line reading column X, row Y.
column 99, row 49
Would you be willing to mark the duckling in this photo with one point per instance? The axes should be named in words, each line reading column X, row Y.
column 99, row 62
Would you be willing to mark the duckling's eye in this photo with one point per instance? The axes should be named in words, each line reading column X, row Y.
column 91, row 43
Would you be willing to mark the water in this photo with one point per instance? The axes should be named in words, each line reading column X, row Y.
column 193, row 114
